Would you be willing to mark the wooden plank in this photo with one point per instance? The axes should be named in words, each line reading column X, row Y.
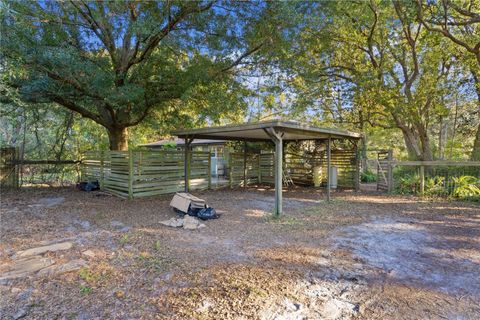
column 329, row 168
column 130, row 174
column 436, row 163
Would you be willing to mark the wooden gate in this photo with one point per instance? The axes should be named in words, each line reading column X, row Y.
column 8, row 168
column 385, row 171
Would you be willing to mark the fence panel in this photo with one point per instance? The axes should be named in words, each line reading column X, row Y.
column 158, row 172
column 346, row 163
column 8, row 169
column 200, row 172
column 267, row 168
column 435, row 178
column 116, row 180
column 241, row 171
column 384, row 171
column 91, row 168
column 252, row 168
column 137, row 174
column 300, row 168
column 236, row 163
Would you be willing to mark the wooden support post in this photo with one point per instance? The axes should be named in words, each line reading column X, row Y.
column 422, row 180
column 390, row 182
column 130, row 174
column 278, row 176
column 329, row 168
column 259, row 169
column 244, row 164
column 209, row 169
column 186, row 165
column 357, row 168
column 277, row 139
column 102, row 169
column 230, row 169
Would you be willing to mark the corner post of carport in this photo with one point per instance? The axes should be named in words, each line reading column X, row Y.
column 357, row 166
column 278, row 140
column 329, row 166
column 186, row 166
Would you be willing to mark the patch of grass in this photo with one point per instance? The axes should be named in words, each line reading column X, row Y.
column 102, row 274
column 325, row 208
column 282, row 220
column 85, row 290
column 157, row 245
column 87, row 275
column 124, row 239
column 155, row 263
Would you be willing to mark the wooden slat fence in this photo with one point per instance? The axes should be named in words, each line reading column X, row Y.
column 267, row 168
column 135, row 174
column 300, row 167
column 384, row 171
column 241, row 172
column 347, row 163
column 9, row 173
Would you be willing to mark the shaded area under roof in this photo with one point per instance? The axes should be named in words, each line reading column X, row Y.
column 291, row 130
column 181, row 142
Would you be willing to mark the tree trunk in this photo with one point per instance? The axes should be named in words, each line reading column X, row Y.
column 476, row 144
column 118, row 138
column 442, row 138
column 427, row 154
column 411, row 143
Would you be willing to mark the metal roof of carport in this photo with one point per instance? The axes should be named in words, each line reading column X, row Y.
column 291, row 130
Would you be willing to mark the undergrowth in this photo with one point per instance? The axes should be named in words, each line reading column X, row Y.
column 461, row 187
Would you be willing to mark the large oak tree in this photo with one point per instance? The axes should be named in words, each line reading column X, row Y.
column 458, row 21
column 115, row 61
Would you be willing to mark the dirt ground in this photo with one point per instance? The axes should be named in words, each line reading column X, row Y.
column 363, row 256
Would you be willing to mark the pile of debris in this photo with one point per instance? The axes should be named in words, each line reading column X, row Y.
column 189, row 209
column 32, row 261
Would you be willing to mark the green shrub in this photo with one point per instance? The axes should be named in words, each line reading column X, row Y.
column 408, row 184
column 466, row 188
column 435, row 186
column 368, row 176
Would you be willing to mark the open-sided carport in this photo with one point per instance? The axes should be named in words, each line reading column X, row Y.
column 277, row 131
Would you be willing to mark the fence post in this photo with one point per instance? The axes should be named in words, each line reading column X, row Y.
column 329, row 167
column 244, row 164
column 130, row 174
column 357, row 168
column 230, row 168
column 390, row 171
column 189, row 167
column 16, row 169
column 209, row 169
column 422, row 180
column 259, row 170
column 102, row 169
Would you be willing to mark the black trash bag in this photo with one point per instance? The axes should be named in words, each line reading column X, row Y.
column 88, row 186
column 194, row 211
column 207, row 213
